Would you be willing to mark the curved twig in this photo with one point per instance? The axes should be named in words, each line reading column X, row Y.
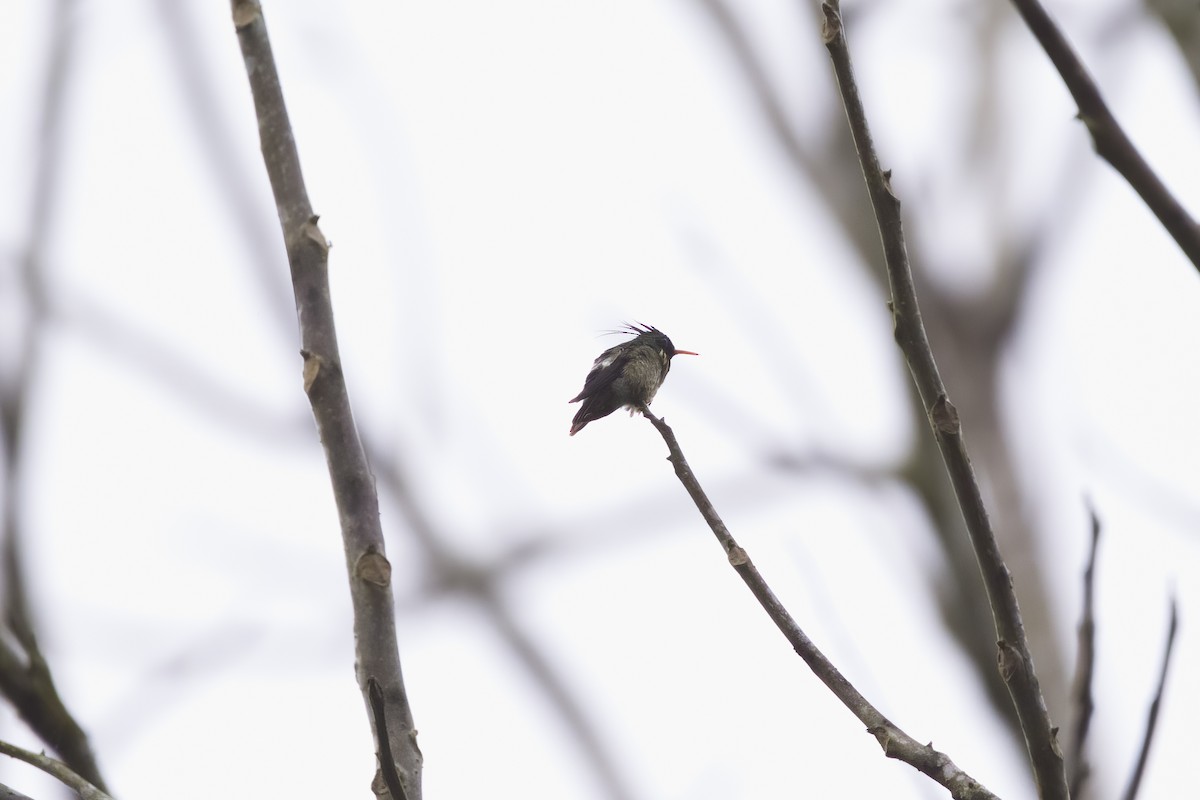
column 52, row 766
column 1015, row 659
column 895, row 742
column 377, row 655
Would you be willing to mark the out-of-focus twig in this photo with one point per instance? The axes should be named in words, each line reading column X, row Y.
column 176, row 372
column 1139, row 769
column 1182, row 22
column 894, row 741
column 1077, row 765
column 57, row 769
column 1015, row 659
column 480, row 583
column 376, row 650
column 208, row 119
column 1108, row 137
column 25, row 676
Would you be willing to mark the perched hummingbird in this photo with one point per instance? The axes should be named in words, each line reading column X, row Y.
column 626, row 375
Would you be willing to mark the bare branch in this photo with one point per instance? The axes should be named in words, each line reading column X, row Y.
column 1135, row 780
column 1109, row 139
column 895, row 742
column 377, row 655
column 1015, row 659
column 1077, row 766
column 56, row 769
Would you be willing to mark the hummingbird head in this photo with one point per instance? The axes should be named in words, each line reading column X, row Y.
column 648, row 334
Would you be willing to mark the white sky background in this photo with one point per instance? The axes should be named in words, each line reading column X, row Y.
column 500, row 183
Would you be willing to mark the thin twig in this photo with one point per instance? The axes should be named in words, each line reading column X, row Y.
column 1015, row 660
column 57, row 769
column 1135, row 780
column 894, row 741
column 29, row 685
column 9, row 793
column 376, row 653
column 1078, row 769
column 1109, row 139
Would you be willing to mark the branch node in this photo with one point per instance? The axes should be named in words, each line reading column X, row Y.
column 944, row 416
column 245, row 12
column 374, row 568
column 738, row 557
column 831, row 23
column 311, row 231
column 312, row 368
column 1008, row 660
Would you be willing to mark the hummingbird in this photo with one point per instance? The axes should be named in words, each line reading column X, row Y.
column 626, row 375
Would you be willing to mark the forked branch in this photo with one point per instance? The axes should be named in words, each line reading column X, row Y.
column 1015, row 659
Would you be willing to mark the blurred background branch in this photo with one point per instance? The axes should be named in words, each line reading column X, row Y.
column 25, row 674
column 1016, row 663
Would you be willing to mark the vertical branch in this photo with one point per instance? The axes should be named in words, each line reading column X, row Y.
column 1015, row 660
column 376, row 650
column 1077, row 766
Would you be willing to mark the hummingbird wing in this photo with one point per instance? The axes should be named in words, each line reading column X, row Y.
column 607, row 367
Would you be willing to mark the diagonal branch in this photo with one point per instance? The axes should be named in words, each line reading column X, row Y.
column 481, row 584
column 1015, row 659
column 376, row 652
column 1135, row 780
column 1109, row 138
column 894, row 741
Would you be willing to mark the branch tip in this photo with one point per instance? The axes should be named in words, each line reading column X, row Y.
column 245, row 12
column 831, row 23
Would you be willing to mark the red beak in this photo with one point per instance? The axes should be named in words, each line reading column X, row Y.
column 684, row 353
